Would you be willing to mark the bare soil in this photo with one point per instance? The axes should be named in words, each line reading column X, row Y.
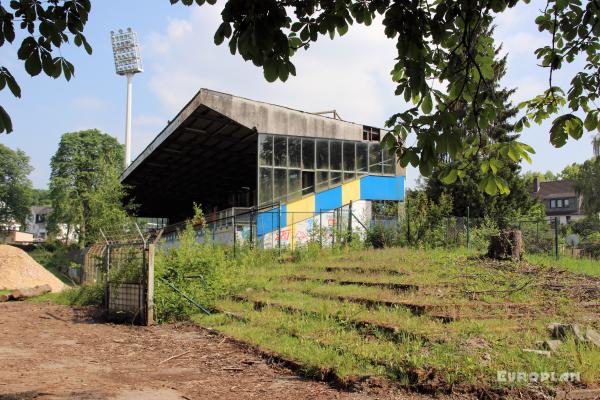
column 58, row 352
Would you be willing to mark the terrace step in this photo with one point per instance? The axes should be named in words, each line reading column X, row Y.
column 386, row 285
column 362, row 270
column 393, row 332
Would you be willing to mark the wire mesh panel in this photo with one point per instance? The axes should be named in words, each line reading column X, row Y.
column 127, row 264
column 93, row 265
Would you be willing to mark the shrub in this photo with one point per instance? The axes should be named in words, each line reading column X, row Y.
column 380, row 236
column 203, row 271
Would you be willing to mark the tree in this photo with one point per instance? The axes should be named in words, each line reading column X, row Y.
column 15, row 187
column 571, row 172
column 588, row 185
column 84, row 184
column 441, row 60
column 41, row 197
column 468, row 192
column 45, row 27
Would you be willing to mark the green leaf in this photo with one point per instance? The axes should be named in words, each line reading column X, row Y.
column 488, row 185
column 33, row 64
column 450, row 177
column 5, row 122
column 591, row 121
column 11, row 83
column 427, row 104
column 270, row 70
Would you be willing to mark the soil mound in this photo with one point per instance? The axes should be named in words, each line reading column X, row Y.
column 18, row 270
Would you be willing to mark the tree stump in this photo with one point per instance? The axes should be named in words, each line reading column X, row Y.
column 506, row 245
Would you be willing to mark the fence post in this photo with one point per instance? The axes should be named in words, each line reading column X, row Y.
column 150, row 286
column 251, row 230
column 292, row 233
column 234, row 235
column 214, row 225
column 556, row 236
column 350, row 222
column 468, row 227
column 407, row 213
column 279, row 228
column 320, row 228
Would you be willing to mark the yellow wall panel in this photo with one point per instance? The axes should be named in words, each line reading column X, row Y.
column 305, row 205
column 351, row 191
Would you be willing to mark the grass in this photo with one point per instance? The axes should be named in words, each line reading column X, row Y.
column 577, row 265
column 326, row 315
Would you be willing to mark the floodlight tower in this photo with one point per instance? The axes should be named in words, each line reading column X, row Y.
column 128, row 62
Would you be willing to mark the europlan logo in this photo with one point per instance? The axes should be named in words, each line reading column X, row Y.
column 534, row 377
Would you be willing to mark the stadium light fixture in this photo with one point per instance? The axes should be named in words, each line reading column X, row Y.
column 128, row 62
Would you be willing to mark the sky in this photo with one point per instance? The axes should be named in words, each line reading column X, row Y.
column 349, row 74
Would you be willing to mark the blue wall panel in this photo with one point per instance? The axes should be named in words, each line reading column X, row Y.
column 266, row 221
column 382, row 188
column 329, row 199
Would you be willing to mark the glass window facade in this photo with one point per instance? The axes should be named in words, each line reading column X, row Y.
column 292, row 167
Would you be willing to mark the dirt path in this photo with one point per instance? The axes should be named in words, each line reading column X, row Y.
column 57, row 352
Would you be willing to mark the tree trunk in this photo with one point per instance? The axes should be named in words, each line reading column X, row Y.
column 21, row 294
column 506, row 245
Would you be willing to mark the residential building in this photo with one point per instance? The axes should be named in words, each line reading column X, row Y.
column 560, row 198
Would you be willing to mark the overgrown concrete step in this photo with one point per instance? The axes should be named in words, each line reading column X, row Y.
column 392, row 331
column 443, row 312
column 385, row 285
column 362, row 270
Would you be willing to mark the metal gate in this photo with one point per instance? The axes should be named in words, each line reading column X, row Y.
column 128, row 263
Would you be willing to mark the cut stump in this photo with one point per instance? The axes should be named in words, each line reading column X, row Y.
column 506, row 245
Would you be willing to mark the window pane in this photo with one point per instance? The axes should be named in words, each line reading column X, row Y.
column 335, row 155
column 280, row 151
column 349, row 156
column 294, row 182
column 265, row 149
column 375, row 158
column 559, row 203
column 280, row 177
column 308, row 154
column 567, row 203
column 322, row 154
column 265, row 182
column 388, row 161
column 322, row 180
column 308, row 182
column 362, row 158
column 336, row 178
column 294, row 145
column 349, row 176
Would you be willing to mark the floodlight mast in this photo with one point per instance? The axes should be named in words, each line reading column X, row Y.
column 128, row 62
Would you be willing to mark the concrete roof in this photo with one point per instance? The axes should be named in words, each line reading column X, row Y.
column 256, row 115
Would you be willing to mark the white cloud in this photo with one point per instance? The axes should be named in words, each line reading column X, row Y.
column 350, row 74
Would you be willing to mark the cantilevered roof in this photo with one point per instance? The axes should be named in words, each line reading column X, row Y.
column 209, row 151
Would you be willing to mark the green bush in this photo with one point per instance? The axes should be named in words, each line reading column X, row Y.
column 380, row 236
column 204, row 272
